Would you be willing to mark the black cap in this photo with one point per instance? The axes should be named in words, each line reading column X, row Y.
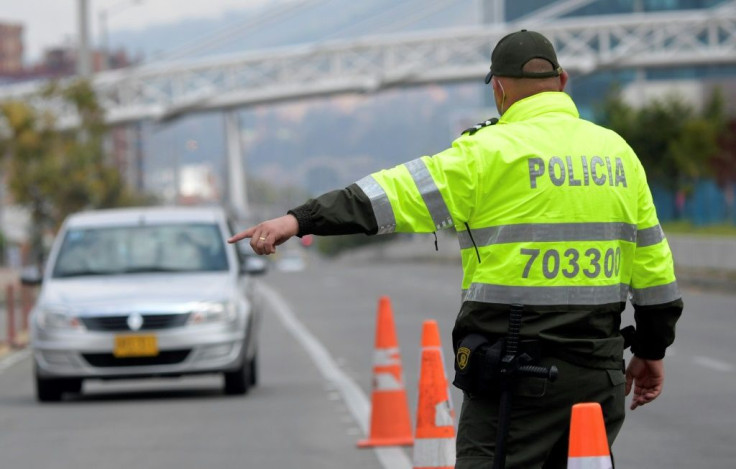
column 514, row 50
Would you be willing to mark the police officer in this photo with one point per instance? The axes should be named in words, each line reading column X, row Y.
column 553, row 213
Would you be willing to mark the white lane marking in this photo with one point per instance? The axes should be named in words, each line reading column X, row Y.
column 713, row 364
column 356, row 401
column 12, row 359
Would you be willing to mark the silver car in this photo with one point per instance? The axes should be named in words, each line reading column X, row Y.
column 144, row 292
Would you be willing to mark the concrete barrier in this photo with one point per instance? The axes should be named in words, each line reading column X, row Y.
column 701, row 252
column 700, row 260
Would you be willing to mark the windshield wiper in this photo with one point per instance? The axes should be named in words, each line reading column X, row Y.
column 83, row 273
column 129, row 270
column 153, row 268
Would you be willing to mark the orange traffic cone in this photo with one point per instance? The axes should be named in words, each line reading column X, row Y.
column 435, row 433
column 588, row 447
column 390, row 420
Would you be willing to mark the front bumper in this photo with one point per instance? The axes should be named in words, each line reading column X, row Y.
column 188, row 350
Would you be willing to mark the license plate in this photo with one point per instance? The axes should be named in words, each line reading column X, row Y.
column 135, row 346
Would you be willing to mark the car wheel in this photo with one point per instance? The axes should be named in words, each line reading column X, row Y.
column 49, row 390
column 72, row 385
column 237, row 382
column 253, row 371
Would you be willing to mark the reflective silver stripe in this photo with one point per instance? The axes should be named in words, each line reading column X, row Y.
column 594, row 295
column 530, row 232
column 656, row 295
column 437, row 453
column 590, row 462
column 649, row 236
column 381, row 206
column 430, row 193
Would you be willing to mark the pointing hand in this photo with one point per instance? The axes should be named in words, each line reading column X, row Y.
column 265, row 236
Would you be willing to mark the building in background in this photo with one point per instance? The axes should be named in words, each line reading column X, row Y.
column 57, row 61
column 198, row 184
column 61, row 61
column 11, row 49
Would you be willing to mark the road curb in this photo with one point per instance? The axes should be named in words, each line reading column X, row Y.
column 6, row 350
column 21, row 344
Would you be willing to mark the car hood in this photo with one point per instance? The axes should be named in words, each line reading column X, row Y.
column 136, row 292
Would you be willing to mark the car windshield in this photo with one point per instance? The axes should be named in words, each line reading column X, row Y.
column 141, row 249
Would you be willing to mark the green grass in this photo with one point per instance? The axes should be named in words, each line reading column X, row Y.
column 686, row 227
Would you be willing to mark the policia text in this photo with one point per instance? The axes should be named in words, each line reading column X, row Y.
column 599, row 170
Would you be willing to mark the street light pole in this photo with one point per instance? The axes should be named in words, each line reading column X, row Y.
column 84, row 65
column 102, row 19
column 493, row 11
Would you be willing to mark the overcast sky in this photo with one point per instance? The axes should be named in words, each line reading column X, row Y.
column 53, row 22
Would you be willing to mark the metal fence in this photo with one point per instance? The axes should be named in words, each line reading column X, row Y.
column 15, row 306
column 705, row 204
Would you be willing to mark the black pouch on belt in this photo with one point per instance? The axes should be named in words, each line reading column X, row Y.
column 477, row 365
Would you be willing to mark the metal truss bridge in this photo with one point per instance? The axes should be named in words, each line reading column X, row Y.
column 164, row 91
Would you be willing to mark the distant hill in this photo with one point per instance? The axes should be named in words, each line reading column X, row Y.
column 288, row 23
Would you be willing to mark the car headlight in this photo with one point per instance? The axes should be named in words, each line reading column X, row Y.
column 50, row 317
column 206, row 312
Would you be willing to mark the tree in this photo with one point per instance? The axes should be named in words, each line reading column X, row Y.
column 724, row 165
column 55, row 173
column 674, row 143
column 28, row 144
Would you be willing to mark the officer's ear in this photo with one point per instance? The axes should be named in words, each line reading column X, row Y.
column 498, row 90
column 494, row 84
column 563, row 80
column 499, row 95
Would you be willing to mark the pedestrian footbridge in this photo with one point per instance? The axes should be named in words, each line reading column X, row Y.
column 166, row 90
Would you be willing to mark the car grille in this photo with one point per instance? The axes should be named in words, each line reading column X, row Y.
column 120, row 323
column 108, row 360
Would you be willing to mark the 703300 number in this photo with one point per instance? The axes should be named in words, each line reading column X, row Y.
column 608, row 263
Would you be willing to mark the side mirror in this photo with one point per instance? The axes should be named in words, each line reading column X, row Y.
column 31, row 276
column 254, row 265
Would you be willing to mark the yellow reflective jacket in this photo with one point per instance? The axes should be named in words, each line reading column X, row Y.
column 551, row 211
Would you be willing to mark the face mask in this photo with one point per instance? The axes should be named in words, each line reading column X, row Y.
column 503, row 97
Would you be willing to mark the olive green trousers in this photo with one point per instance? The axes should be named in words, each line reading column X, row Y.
column 540, row 418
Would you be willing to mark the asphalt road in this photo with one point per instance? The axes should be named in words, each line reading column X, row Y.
column 310, row 407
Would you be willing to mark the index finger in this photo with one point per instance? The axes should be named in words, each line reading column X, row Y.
column 242, row 235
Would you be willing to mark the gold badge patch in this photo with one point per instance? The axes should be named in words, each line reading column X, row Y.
column 463, row 356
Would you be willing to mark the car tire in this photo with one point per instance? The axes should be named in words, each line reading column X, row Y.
column 238, row 381
column 49, row 390
column 52, row 389
column 254, row 370
column 72, row 385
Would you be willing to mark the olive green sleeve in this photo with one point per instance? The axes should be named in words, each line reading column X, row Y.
column 656, row 297
column 655, row 328
column 339, row 212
